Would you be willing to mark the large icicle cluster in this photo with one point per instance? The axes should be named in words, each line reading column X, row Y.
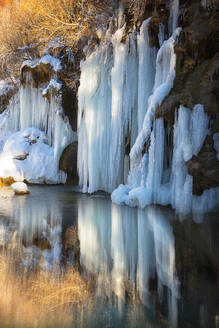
column 164, row 184
column 108, row 100
column 122, row 85
column 34, row 132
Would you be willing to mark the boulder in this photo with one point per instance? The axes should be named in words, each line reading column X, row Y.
column 68, row 163
column 20, row 188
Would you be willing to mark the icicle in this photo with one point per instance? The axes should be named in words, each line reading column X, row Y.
column 146, row 71
column 28, row 115
column 190, row 130
column 173, row 18
column 165, row 74
column 107, row 107
column 94, row 120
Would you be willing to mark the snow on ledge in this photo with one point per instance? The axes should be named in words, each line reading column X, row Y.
column 53, row 84
column 55, row 63
column 5, row 86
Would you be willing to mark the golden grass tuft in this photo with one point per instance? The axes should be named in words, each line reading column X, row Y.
column 4, row 182
column 38, row 299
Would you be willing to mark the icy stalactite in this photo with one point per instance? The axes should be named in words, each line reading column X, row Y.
column 27, row 112
column 94, row 119
column 37, row 111
column 190, row 130
column 165, row 74
column 173, row 18
column 112, row 103
column 107, row 100
column 204, row 3
column 146, row 71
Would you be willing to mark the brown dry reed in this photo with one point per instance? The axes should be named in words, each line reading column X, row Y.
column 38, row 298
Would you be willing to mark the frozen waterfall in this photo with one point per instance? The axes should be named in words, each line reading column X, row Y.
column 112, row 105
column 33, row 134
column 121, row 144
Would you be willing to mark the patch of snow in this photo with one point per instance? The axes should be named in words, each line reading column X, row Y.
column 57, row 43
column 53, row 84
column 55, row 63
column 27, row 156
column 20, row 188
column 5, row 86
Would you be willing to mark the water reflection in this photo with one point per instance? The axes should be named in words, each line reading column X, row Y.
column 144, row 260
column 127, row 248
column 38, row 224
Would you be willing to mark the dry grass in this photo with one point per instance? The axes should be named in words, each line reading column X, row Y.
column 25, row 22
column 6, row 181
column 38, row 299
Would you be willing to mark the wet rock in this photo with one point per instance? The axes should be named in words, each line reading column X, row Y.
column 41, row 242
column 197, row 66
column 70, row 105
column 204, row 168
column 42, row 73
column 197, row 82
column 6, row 97
column 153, row 31
column 68, row 163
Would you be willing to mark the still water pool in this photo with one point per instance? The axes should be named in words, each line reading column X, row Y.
column 72, row 260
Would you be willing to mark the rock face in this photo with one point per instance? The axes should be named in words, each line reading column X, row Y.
column 204, row 168
column 68, row 163
column 197, row 82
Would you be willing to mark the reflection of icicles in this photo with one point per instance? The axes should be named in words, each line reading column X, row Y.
column 146, row 260
column 38, row 224
column 94, row 234
column 123, row 252
column 164, row 245
column 126, row 249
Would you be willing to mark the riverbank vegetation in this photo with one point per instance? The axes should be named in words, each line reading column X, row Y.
column 39, row 298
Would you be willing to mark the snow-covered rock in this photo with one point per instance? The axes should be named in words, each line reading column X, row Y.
column 20, row 188
column 55, row 63
column 27, row 156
